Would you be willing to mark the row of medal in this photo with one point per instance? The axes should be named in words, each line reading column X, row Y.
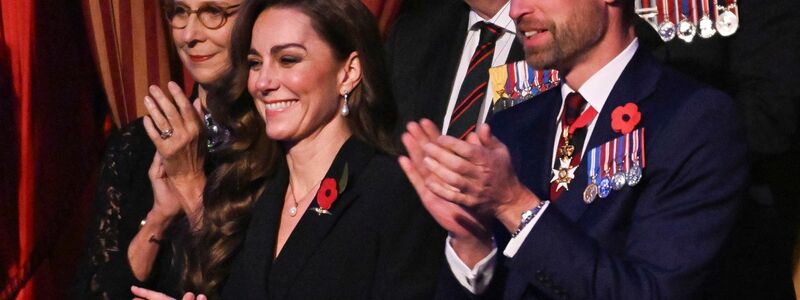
column 615, row 164
column 516, row 82
column 686, row 19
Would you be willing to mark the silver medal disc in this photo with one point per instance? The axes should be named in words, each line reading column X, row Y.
column 686, row 30
column 666, row 30
column 634, row 174
column 706, row 27
column 727, row 23
column 618, row 181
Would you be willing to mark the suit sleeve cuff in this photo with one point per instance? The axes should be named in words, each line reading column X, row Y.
column 516, row 242
column 475, row 280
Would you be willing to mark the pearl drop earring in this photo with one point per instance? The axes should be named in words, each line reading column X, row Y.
column 345, row 108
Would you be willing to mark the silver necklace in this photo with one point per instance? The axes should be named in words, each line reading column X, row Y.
column 293, row 209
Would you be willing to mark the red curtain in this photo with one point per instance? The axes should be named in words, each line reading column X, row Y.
column 51, row 113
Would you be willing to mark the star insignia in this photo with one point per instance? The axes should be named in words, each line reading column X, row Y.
column 564, row 174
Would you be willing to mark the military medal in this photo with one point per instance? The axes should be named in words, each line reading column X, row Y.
column 605, row 176
column 705, row 25
column 523, row 86
column 666, row 29
column 618, row 180
column 565, row 173
column 728, row 21
column 637, row 147
column 686, row 29
column 590, row 193
column 498, row 77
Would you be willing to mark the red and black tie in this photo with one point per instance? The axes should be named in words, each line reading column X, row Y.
column 473, row 90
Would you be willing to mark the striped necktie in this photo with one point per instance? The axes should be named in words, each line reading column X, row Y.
column 473, row 90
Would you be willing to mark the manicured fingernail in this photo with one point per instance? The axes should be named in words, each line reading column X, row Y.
column 148, row 102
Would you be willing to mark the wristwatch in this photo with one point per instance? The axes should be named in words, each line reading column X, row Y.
column 527, row 216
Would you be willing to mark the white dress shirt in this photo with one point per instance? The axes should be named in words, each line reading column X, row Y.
column 596, row 91
column 501, row 49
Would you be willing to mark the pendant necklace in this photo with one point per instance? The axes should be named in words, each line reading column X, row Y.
column 293, row 209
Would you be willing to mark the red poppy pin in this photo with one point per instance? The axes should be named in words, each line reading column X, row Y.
column 329, row 191
column 625, row 118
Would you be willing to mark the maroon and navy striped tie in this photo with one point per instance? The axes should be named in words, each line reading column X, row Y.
column 473, row 90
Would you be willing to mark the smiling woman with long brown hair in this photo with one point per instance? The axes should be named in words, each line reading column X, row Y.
column 308, row 201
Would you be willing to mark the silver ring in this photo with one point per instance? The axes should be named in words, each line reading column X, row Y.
column 167, row 133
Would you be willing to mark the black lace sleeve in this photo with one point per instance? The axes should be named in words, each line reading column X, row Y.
column 123, row 198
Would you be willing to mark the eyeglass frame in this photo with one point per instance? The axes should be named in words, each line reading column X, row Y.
column 226, row 13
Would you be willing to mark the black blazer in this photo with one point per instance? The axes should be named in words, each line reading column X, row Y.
column 378, row 242
column 423, row 51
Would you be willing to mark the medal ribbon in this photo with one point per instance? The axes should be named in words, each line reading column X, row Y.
column 638, row 146
column 535, row 75
column 663, row 6
column 685, row 8
column 597, row 165
column 545, row 79
column 512, row 79
column 592, row 162
column 704, row 7
column 614, row 162
column 627, row 152
column 605, row 160
column 715, row 9
column 620, row 151
column 521, row 80
column 641, row 143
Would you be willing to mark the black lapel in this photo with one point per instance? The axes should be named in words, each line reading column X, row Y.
column 252, row 263
column 637, row 82
column 313, row 228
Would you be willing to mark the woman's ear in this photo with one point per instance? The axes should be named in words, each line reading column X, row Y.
column 350, row 74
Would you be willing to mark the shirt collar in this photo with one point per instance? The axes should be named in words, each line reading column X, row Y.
column 597, row 88
column 502, row 19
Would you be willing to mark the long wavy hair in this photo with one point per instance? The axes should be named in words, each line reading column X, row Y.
column 251, row 158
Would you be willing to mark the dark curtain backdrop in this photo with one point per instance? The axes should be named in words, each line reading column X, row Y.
column 51, row 115
column 70, row 70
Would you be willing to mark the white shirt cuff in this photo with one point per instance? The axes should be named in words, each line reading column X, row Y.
column 516, row 242
column 475, row 280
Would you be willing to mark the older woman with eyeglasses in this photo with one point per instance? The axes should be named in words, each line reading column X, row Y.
column 151, row 166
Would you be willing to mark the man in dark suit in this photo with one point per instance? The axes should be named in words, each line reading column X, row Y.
column 430, row 50
column 657, row 236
